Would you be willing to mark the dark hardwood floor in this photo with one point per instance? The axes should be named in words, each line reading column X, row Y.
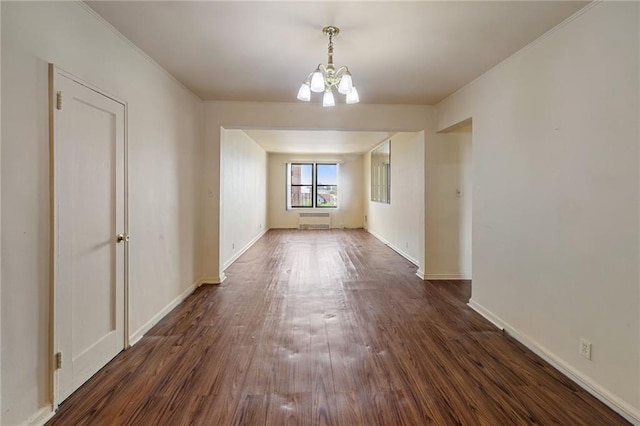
column 328, row 327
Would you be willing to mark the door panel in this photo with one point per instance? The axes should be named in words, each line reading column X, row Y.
column 89, row 213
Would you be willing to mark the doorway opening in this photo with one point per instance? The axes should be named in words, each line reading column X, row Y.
column 451, row 187
column 256, row 172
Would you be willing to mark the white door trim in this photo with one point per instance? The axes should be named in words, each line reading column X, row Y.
column 55, row 74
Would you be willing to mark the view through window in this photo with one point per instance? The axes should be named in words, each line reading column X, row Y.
column 313, row 185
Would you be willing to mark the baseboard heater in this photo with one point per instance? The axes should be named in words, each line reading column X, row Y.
column 315, row 221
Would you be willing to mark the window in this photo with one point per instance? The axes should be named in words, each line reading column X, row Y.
column 301, row 185
column 381, row 173
column 312, row 185
column 326, row 185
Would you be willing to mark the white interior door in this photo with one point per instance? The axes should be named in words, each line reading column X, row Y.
column 89, row 212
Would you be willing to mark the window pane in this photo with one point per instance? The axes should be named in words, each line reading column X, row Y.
column 327, row 196
column 327, row 174
column 301, row 196
column 302, row 174
column 381, row 173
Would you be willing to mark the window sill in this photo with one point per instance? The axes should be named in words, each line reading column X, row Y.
column 311, row 209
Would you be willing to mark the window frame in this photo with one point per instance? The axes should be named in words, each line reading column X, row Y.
column 314, row 184
column 380, row 173
column 291, row 185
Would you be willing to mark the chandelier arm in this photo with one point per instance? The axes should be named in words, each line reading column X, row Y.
column 341, row 71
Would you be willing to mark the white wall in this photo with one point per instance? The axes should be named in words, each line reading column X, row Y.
column 401, row 223
column 350, row 211
column 556, row 195
column 449, row 244
column 244, row 194
column 265, row 115
column 165, row 157
column 0, row 228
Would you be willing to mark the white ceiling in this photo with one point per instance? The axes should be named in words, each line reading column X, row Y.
column 316, row 141
column 398, row 52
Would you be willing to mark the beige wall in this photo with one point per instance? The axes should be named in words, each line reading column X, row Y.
column 556, row 191
column 244, row 194
column 556, row 196
column 401, row 223
column 448, row 248
column 1, row 411
column 282, row 116
column 165, row 152
column 350, row 212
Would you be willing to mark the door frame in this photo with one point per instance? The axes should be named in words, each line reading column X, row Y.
column 55, row 163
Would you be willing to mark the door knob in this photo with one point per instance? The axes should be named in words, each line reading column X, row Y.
column 122, row 237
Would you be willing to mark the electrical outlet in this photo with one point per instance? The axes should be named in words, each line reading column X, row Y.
column 585, row 348
column 406, row 244
column 233, row 246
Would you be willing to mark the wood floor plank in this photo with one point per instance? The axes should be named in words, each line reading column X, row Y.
column 328, row 328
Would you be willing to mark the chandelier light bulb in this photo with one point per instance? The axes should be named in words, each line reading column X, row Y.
column 345, row 85
column 317, row 81
column 304, row 94
column 352, row 96
column 328, row 99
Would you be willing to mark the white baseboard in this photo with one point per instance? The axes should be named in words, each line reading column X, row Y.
column 404, row 254
column 243, row 249
column 394, row 248
column 378, row 236
column 137, row 335
column 420, row 274
column 435, row 277
column 621, row 407
column 212, row 280
column 41, row 416
column 486, row 314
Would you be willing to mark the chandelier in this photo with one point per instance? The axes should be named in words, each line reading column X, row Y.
column 326, row 77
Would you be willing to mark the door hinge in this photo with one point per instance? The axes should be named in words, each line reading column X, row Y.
column 58, row 100
column 58, row 360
